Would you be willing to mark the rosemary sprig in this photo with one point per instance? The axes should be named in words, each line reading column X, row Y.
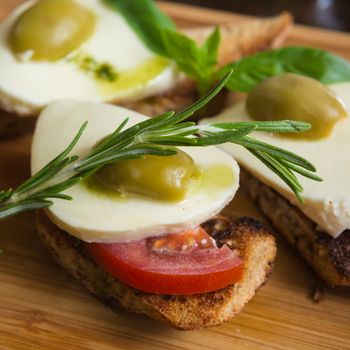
column 154, row 136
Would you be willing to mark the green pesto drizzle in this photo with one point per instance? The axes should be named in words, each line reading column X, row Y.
column 136, row 77
column 101, row 71
column 212, row 179
column 111, row 80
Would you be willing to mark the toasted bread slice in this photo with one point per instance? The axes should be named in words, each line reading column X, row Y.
column 237, row 41
column 329, row 257
column 250, row 239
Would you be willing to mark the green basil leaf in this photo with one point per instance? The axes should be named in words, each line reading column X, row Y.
column 182, row 50
column 146, row 19
column 209, row 59
column 197, row 62
column 210, row 51
column 194, row 60
column 315, row 63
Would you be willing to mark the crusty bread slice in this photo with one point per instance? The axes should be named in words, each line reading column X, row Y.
column 329, row 257
column 250, row 239
column 237, row 41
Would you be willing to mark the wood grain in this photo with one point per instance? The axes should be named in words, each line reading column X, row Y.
column 41, row 307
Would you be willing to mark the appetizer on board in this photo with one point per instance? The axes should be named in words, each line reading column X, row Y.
column 318, row 227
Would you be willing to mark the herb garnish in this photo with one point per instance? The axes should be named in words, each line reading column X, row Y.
column 159, row 33
column 151, row 137
column 314, row 63
column 98, row 70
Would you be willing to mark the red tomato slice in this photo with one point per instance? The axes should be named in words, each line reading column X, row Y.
column 179, row 264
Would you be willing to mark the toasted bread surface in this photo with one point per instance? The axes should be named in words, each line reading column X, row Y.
column 250, row 239
column 12, row 126
column 329, row 257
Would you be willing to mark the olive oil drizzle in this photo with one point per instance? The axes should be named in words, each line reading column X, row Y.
column 101, row 71
column 209, row 180
column 111, row 80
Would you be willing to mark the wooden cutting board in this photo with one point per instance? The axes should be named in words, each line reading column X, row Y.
column 42, row 307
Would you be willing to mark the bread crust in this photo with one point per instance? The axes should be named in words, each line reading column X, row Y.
column 250, row 239
column 12, row 126
column 329, row 257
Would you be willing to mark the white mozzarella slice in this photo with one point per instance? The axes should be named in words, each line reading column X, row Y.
column 327, row 203
column 100, row 218
column 27, row 86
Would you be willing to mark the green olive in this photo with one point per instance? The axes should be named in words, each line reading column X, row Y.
column 158, row 177
column 296, row 97
column 51, row 29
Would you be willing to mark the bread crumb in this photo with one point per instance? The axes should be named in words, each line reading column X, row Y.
column 317, row 294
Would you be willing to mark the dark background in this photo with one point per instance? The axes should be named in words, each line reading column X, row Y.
column 332, row 14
